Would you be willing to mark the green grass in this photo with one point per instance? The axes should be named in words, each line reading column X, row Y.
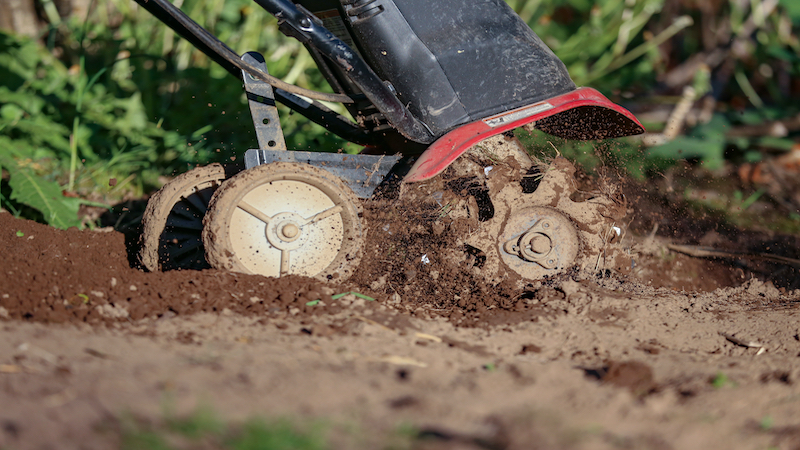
column 720, row 380
column 203, row 429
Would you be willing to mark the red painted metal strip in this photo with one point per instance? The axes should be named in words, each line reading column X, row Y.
column 449, row 147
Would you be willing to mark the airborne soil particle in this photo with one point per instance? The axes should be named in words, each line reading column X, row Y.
column 86, row 339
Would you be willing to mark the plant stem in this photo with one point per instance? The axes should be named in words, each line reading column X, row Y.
column 3, row 200
column 679, row 24
column 752, row 199
column 748, row 89
column 73, row 154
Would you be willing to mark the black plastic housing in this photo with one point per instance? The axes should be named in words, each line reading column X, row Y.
column 452, row 61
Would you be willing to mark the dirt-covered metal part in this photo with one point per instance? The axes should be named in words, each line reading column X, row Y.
column 533, row 228
column 540, row 235
column 173, row 221
column 261, row 99
column 284, row 218
column 362, row 173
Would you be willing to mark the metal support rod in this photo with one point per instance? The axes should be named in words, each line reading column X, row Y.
column 297, row 24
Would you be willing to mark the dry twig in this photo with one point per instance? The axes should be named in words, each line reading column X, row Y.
column 709, row 252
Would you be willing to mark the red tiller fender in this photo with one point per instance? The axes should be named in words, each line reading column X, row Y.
column 582, row 114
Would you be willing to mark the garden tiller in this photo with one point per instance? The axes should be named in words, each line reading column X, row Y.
column 426, row 82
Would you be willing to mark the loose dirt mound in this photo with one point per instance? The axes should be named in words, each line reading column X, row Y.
column 73, row 276
column 680, row 353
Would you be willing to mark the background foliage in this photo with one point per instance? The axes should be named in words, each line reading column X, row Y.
column 101, row 104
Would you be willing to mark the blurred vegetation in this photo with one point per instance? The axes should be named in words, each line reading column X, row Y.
column 739, row 57
column 204, row 429
column 100, row 105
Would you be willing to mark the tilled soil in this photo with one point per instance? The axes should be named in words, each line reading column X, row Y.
column 679, row 353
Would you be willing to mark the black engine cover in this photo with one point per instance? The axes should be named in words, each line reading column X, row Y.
column 452, row 61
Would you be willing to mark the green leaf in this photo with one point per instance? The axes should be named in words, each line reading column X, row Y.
column 44, row 196
column 41, row 130
column 710, row 151
column 313, row 303
column 20, row 233
column 785, row 144
column 778, row 52
column 721, row 380
column 135, row 116
column 11, row 112
column 792, row 7
column 706, row 142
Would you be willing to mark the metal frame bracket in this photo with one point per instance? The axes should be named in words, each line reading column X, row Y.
column 261, row 99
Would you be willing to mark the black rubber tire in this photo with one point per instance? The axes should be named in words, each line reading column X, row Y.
column 173, row 221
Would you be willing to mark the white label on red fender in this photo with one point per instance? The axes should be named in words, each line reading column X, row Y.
column 517, row 114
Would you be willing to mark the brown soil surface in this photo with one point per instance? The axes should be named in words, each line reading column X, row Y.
column 680, row 353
